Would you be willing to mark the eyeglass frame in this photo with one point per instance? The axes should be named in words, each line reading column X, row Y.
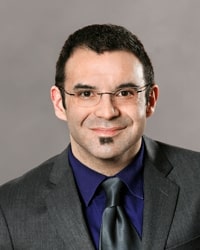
column 138, row 89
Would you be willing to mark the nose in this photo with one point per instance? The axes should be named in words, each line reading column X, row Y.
column 106, row 108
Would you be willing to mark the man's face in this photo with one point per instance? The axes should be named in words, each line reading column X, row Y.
column 105, row 131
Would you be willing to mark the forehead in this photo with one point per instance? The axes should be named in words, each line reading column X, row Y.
column 86, row 65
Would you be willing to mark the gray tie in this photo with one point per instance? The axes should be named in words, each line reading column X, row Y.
column 116, row 231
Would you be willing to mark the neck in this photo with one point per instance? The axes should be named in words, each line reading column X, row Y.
column 106, row 166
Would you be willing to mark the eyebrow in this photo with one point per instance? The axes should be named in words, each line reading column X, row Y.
column 83, row 86
column 127, row 85
column 123, row 85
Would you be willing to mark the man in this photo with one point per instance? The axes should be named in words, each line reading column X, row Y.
column 105, row 91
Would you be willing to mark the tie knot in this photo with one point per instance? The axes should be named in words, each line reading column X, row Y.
column 113, row 188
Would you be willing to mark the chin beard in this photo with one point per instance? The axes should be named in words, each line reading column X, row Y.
column 105, row 140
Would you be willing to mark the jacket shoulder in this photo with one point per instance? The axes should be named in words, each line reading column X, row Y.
column 178, row 154
column 28, row 185
column 177, row 161
column 173, row 153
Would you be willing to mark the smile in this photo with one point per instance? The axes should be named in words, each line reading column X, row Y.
column 107, row 131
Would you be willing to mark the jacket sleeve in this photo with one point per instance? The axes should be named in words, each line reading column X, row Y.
column 5, row 241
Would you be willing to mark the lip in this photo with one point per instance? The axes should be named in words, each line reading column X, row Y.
column 107, row 131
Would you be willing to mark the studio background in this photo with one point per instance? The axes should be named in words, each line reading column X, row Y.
column 32, row 34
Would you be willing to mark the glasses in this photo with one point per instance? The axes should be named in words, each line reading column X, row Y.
column 88, row 97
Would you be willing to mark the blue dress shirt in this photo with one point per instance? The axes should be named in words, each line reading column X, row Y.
column 94, row 199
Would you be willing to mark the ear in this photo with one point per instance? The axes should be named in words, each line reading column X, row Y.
column 152, row 100
column 56, row 99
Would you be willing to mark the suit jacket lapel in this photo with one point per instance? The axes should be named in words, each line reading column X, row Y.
column 160, row 197
column 64, row 207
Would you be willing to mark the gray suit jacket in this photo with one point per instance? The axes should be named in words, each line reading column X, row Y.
column 42, row 209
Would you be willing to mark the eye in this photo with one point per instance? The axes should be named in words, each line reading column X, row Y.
column 85, row 93
column 126, row 92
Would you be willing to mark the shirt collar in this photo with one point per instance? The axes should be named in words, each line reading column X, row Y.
column 88, row 180
column 132, row 175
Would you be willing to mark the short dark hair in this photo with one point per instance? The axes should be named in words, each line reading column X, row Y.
column 101, row 38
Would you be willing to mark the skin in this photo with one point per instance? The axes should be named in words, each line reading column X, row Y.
column 105, row 137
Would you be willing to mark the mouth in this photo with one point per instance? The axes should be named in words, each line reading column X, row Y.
column 107, row 131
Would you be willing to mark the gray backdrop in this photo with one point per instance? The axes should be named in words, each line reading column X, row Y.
column 32, row 34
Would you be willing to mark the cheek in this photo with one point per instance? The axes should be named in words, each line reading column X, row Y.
column 135, row 112
column 75, row 115
column 72, row 111
column 141, row 113
column 141, row 108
